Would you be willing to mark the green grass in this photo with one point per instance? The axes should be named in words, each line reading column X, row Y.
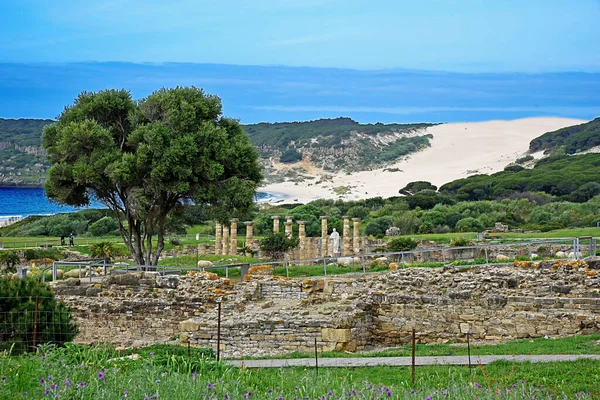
column 169, row 373
column 582, row 344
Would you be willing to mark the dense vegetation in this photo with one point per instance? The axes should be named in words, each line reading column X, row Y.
column 572, row 139
column 90, row 222
column 560, row 176
column 24, row 132
column 18, row 305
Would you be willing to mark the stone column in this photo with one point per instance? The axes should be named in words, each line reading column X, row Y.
column 249, row 233
column 234, row 242
column 324, row 236
column 356, row 236
column 275, row 219
column 302, row 238
column 346, row 235
column 218, row 233
column 225, row 240
column 288, row 226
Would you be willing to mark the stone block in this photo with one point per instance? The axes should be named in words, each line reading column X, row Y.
column 593, row 262
column 190, row 325
column 335, row 335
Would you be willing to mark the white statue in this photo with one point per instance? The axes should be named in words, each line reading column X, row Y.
column 335, row 237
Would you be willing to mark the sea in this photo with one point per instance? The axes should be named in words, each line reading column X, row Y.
column 22, row 202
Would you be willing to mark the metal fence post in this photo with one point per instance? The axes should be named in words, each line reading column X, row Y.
column 287, row 269
column 325, row 266
column 487, row 261
column 35, row 322
column 362, row 263
column 414, row 341
column 219, row 333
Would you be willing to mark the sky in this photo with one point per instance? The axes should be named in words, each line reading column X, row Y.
column 286, row 60
column 446, row 35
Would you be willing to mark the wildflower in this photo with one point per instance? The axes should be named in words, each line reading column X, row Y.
column 155, row 395
column 81, row 384
column 53, row 387
column 3, row 377
column 157, row 381
column 101, row 376
column 389, row 392
column 330, row 393
column 42, row 381
column 477, row 385
column 67, row 383
column 270, row 391
column 194, row 375
column 125, row 392
column 46, row 392
column 151, row 353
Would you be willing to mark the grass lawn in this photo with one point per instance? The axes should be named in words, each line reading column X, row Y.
column 167, row 372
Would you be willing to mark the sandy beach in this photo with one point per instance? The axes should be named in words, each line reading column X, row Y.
column 457, row 150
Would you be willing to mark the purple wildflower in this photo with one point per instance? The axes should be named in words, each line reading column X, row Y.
column 3, row 377
column 67, row 383
column 81, row 384
column 157, row 381
column 42, row 381
column 270, row 391
column 101, row 376
column 330, row 393
column 53, row 387
column 477, row 385
column 46, row 392
column 125, row 392
column 194, row 375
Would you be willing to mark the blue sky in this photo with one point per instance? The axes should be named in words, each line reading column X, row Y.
column 447, row 35
column 285, row 60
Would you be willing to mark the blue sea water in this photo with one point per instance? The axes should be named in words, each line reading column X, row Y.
column 19, row 201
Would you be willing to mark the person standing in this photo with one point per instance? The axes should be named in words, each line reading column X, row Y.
column 71, row 240
column 62, row 240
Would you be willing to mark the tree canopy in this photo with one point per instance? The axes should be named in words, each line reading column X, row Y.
column 145, row 159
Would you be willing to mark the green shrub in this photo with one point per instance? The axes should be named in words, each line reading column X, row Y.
column 290, row 156
column 378, row 226
column 107, row 250
column 275, row 245
column 103, row 226
column 402, row 244
column 461, row 242
column 427, row 227
column 9, row 259
column 17, row 301
column 38, row 254
column 469, row 224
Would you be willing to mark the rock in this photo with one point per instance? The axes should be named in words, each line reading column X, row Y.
column 335, row 335
column 593, row 262
column 347, row 261
column 122, row 279
column 59, row 273
column 72, row 282
column 502, row 257
column 189, row 325
column 167, row 281
column 572, row 255
column 561, row 289
column 560, row 254
column 74, row 273
column 205, row 264
column 382, row 261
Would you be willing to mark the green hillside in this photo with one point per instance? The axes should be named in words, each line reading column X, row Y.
column 572, row 139
column 22, row 160
column 339, row 143
column 563, row 175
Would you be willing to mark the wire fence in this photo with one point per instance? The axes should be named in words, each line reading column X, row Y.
column 26, row 322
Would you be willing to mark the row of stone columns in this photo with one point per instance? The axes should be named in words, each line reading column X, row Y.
column 226, row 237
column 226, row 244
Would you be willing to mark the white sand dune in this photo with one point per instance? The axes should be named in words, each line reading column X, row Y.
column 457, row 151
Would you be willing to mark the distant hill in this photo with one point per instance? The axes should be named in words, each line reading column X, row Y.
column 22, row 159
column 337, row 144
column 572, row 139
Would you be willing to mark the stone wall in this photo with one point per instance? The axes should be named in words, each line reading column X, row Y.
column 272, row 315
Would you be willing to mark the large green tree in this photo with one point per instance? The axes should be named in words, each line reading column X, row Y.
column 145, row 159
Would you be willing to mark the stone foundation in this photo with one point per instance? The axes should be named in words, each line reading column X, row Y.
column 270, row 315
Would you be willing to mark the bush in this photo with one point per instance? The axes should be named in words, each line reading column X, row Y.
column 469, row 224
column 378, row 226
column 103, row 226
column 358, row 212
column 402, row 244
column 290, row 156
column 106, row 250
column 275, row 245
column 427, row 227
column 38, row 254
column 460, row 242
column 17, row 301
column 9, row 259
